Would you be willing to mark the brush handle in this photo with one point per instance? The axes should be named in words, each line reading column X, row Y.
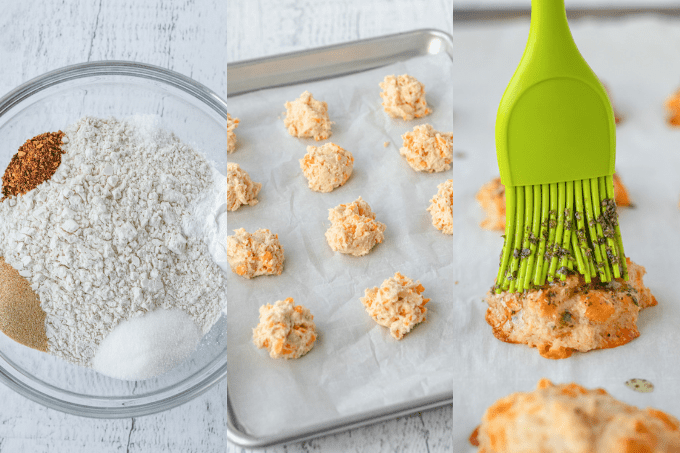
column 551, row 41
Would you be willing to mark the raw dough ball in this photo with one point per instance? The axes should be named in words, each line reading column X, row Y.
column 326, row 167
column 353, row 229
column 404, row 97
column 286, row 330
column 241, row 190
column 442, row 207
column 307, row 117
column 566, row 316
column 568, row 418
column 231, row 137
column 397, row 304
column 428, row 150
column 251, row 255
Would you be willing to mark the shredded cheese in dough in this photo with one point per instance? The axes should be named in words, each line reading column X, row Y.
column 285, row 330
column 326, row 167
column 404, row 97
column 353, row 229
column 307, row 117
column 397, row 304
column 232, row 123
column 252, row 255
column 241, row 190
column 426, row 149
column 441, row 208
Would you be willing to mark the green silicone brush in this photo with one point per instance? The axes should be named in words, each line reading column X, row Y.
column 556, row 145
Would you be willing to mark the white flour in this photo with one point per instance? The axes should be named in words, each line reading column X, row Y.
column 103, row 240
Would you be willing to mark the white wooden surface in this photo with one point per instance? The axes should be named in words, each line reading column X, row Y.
column 195, row 38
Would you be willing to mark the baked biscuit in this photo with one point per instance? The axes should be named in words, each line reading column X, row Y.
column 285, row 330
column 251, row 255
column 566, row 316
column 241, row 190
column 307, row 117
column 441, row 208
column 326, row 167
column 404, row 97
column 354, row 230
column 398, row 304
column 568, row 418
column 231, row 136
column 673, row 107
column 426, row 149
column 492, row 199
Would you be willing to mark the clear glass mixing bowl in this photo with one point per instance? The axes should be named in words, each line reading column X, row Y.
column 104, row 89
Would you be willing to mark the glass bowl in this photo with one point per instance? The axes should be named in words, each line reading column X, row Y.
column 113, row 88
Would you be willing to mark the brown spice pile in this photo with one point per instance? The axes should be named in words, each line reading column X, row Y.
column 21, row 317
column 34, row 163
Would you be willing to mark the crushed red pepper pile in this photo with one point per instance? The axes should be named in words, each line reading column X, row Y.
column 35, row 162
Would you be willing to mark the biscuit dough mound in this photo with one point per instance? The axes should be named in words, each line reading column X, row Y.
column 491, row 197
column 404, row 97
column 354, row 230
column 398, row 304
column 326, row 167
column 563, row 317
column 673, row 107
column 241, row 190
column 252, row 255
column 232, row 123
column 307, row 117
column 426, row 149
column 568, row 418
column 286, row 330
column 441, row 207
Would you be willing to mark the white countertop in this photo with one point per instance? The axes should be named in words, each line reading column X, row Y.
column 195, row 38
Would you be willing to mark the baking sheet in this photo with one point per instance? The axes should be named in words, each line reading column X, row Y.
column 356, row 367
column 638, row 59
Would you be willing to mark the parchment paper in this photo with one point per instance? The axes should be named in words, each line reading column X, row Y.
column 639, row 59
column 355, row 365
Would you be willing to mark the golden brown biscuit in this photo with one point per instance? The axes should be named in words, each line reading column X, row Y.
column 568, row 418
column 492, row 199
column 673, row 107
column 563, row 317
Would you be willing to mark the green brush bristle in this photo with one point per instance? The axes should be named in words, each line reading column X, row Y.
column 551, row 229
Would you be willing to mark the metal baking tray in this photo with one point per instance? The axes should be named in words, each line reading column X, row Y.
column 474, row 15
column 322, row 64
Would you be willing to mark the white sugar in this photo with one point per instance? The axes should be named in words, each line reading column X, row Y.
column 147, row 346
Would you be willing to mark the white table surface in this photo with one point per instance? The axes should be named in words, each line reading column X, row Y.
column 195, row 38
